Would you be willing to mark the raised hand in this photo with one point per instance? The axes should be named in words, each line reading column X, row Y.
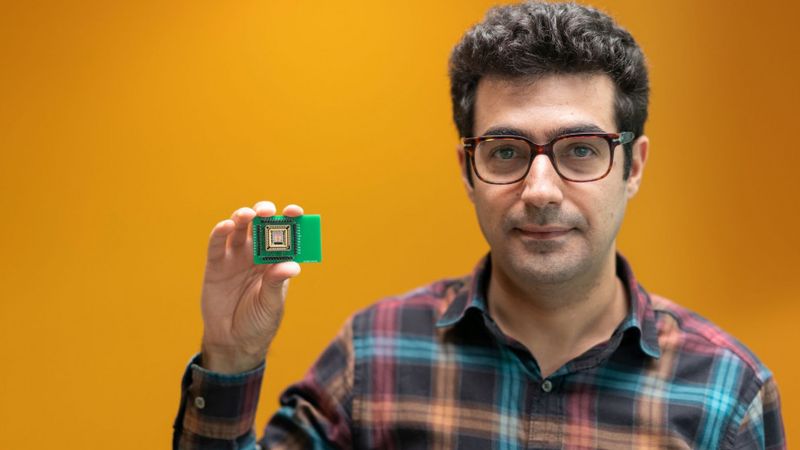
column 242, row 302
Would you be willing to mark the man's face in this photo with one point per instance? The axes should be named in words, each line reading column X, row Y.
column 544, row 229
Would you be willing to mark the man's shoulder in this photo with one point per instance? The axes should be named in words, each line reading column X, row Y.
column 417, row 310
column 683, row 330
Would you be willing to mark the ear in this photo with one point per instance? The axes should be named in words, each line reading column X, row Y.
column 638, row 160
column 465, row 172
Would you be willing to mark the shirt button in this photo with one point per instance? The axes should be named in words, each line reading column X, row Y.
column 547, row 386
column 199, row 402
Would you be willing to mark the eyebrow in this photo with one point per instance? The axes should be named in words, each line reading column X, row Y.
column 550, row 134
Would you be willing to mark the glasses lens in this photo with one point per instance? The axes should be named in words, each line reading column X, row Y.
column 582, row 158
column 502, row 160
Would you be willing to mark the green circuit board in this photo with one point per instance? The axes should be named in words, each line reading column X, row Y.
column 281, row 238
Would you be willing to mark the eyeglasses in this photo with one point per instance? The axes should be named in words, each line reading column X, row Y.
column 578, row 157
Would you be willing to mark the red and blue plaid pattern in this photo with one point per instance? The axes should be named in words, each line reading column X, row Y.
column 432, row 370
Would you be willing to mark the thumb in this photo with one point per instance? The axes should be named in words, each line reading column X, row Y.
column 275, row 281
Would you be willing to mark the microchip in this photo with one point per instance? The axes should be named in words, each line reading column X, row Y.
column 278, row 238
column 281, row 238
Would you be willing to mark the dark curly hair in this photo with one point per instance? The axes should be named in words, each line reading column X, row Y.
column 534, row 39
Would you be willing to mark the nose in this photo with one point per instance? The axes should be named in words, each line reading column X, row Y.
column 542, row 185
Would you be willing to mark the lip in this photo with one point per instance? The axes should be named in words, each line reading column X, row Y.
column 543, row 233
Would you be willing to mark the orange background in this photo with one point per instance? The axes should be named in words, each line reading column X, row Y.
column 128, row 129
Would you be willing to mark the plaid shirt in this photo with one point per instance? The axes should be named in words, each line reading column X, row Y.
column 432, row 370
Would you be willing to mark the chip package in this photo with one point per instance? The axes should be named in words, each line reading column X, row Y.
column 282, row 238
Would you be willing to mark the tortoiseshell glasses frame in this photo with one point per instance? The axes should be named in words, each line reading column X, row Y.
column 566, row 154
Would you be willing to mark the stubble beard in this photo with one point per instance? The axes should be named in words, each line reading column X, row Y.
column 557, row 261
column 546, row 263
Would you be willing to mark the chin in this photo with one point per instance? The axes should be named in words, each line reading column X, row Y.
column 545, row 267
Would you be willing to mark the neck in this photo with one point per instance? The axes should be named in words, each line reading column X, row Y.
column 559, row 322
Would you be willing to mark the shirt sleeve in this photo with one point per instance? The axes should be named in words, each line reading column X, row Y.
column 217, row 411
column 762, row 426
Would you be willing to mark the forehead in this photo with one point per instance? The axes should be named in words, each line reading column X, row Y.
column 538, row 106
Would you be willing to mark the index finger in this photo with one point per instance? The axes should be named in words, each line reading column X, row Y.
column 264, row 209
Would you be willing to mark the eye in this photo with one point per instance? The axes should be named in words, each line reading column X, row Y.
column 583, row 151
column 505, row 153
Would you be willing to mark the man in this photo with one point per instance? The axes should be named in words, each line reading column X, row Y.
column 551, row 342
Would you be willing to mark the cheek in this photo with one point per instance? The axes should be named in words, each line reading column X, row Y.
column 602, row 208
column 491, row 206
column 610, row 211
column 484, row 209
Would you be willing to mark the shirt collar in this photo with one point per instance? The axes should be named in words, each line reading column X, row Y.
column 472, row 295
column 640, row 318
